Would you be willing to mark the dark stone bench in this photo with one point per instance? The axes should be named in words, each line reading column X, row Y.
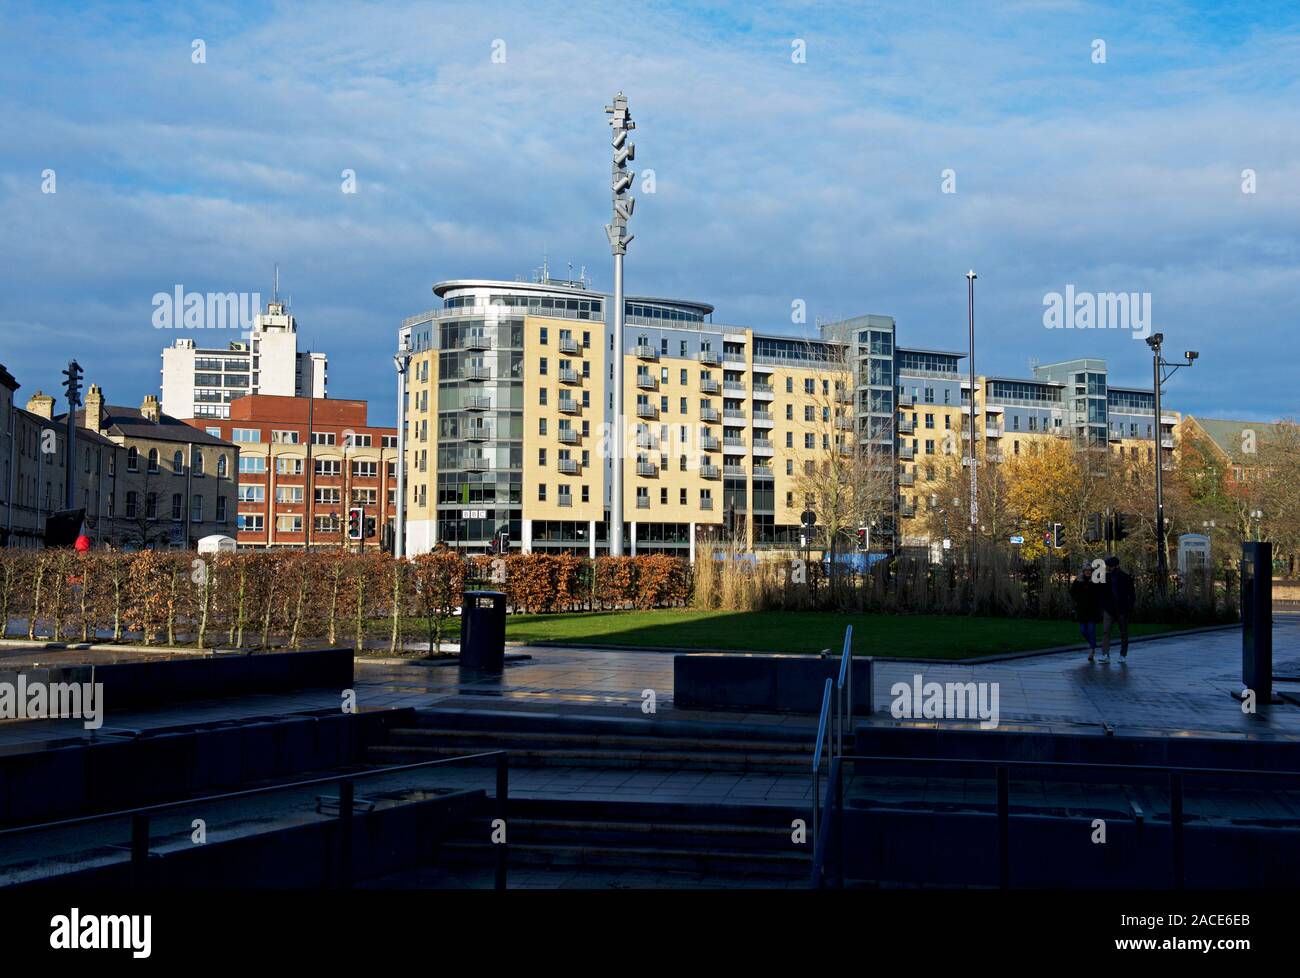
column 765, row 683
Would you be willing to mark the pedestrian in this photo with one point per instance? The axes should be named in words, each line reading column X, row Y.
column 1087, row 607
column 1117, row 601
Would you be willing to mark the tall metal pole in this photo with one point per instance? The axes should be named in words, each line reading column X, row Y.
column 616, row 231
column 73, row 384
column 402, row 361
column 1162, row 561
column 974, row 484
column 310, row 501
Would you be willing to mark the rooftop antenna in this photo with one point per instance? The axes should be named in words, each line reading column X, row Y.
column 275, row 289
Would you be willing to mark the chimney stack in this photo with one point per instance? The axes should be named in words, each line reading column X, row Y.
column 149, row 408
column 42, row 404
column 94, row 419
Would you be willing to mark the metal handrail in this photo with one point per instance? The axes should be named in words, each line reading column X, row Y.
column 822, row 734
column 845, row 683
column 1002, row 775
column 140, row 815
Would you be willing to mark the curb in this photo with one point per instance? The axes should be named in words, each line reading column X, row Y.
column 972, row 660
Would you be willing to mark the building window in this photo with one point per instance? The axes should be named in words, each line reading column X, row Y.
column 151, row 506
column 221, row 509
column 196, row 460
column 196, row 509
column 178, row 511
column 153, row 460
column 131, row 504
column 223, row 466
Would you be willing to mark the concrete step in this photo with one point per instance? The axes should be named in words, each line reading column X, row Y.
column 644, row 834
column 716, row 862
column 680, row 758
column 424, row 735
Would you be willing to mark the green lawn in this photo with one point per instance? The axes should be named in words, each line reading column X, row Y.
column 910, row 636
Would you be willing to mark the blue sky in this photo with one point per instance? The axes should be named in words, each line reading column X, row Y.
column 775, row 181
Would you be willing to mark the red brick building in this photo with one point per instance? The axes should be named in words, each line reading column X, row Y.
column 294, row 449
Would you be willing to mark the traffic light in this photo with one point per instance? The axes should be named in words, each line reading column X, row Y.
column 72, row 383
column 1093, row 534
column 369, row 523
column 1121, row 529
column 355, row 516
column 621, row 177
column 503, row 541
column 862, row 538
column 1057, row 535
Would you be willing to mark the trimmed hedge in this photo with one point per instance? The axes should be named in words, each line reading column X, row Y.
column 261, row 598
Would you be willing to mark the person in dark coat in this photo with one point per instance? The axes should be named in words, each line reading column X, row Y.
column 1087, row 607
column 1117, row 601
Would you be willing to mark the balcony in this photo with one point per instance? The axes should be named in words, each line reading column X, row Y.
column 736, row 388
column 646, row 440
column 846, row 449
column 570, row 376
column 906, row 451
column 906, row 426
column 763, row 389
column 647, row 469
column 568, row 436
column 646, row 382
column 709, row 443
column 733, row 417
column 708, row 357
column 764, row 418
column 709, row 415
column 843, row 395
column 762, row 471
column 994, row 431
column 843, row 424
column 569, row 345
column 907, row 478
column 707, row 502
column 994, row 456
column 476, row 373
column 565, row 499
column 1115, row 435
column 907, row 510
column 709, row 472
column 709, row 386
column 478, row 432
column 732, row 444
column 474, row 463
column 647, row 411
column 1166, row 442
column 734, row 470
column 642, row 502
column 476, row 341
column 906, row 400
column 569, row 406
column 645, row 351
column 477, row 402
column 763, row 446
column 567, row 466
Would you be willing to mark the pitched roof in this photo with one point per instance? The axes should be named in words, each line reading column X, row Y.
column 1227, row 435
column 130, row 423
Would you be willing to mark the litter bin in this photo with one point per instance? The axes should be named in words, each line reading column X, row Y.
column 483, row 631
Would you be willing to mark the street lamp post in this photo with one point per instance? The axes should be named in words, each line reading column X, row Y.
column 619, row 239
column 1162, row 370
column 974, row 484
column 402, row 362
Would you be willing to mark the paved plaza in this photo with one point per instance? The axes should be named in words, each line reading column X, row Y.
column 1170, row 685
